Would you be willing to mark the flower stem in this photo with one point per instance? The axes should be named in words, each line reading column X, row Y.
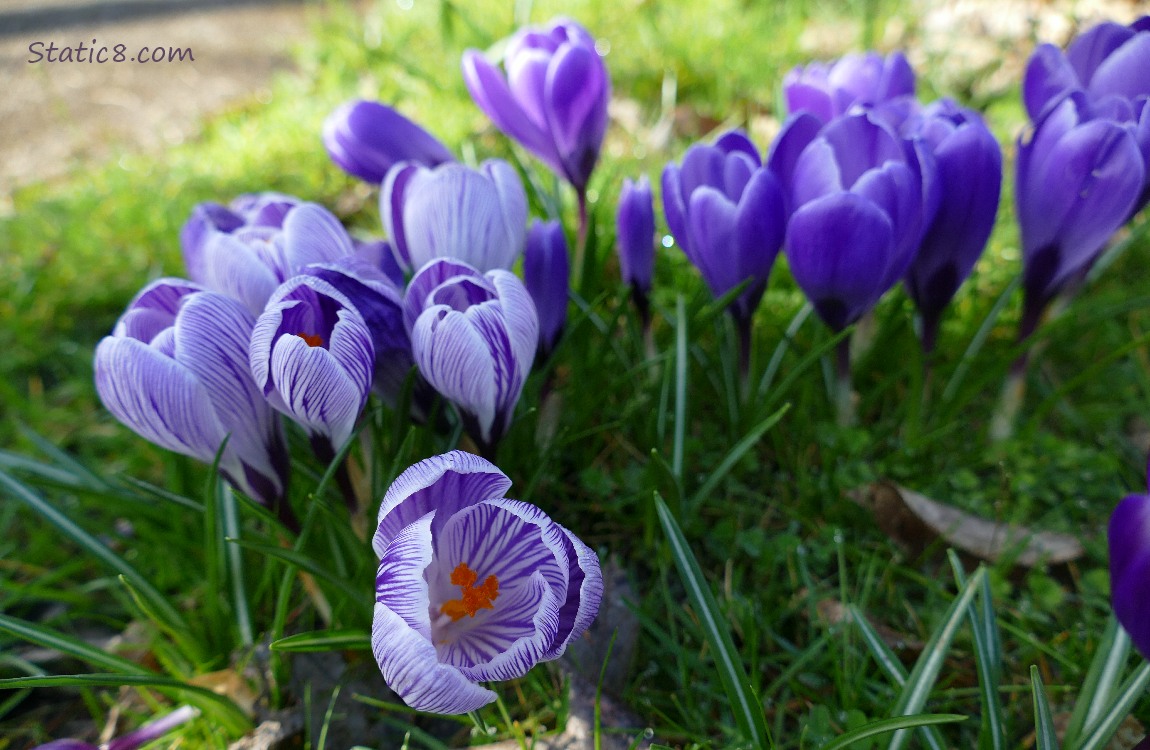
column 844, row 397
column 580, row 241
column 1014, row 388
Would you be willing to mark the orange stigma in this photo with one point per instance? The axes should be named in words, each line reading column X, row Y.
column 311, row 339
column 474, row 597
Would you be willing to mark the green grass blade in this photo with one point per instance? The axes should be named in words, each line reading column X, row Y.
column 93, row 546
column 988, row 660
column 89, row 654
column 1101, row 681
column 744, row 703
column 302, row 562
column 1045, row 738
column 219, row 707
column 230, row 516
column 681, row 346
column 886, row 726
column 926, row 669
column 1130, row 693
column 735, row 454
column 324, row 640
column 781, row 349
column 979, row 339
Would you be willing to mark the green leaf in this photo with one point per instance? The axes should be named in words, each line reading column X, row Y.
column 886, row 726
column 737, row 452
column 745, row 704
column 302, row 562
column 42, row 636
column 681, row 346
column 1130, row 693
column 1045, row 738
column 1101, row 681
column 324, row 640
column 988, row 660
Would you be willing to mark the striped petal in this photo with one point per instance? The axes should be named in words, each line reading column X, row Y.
column 312, row 234
column 584, row 594
column 400, row 584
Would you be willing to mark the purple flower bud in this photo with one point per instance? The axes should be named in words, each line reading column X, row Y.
column 968, row 170
column 472, row 587
column 546, row 274
column 727, row 213
column 366, row 139
column 251, row 260
column 1129, row 539
column 1077, row 177
column 827, row 90
column 635, row 234
column 175, row 371
column 151, row 731
column 474, row 338
column 312, row 357
column 478, row 216
column 553, row 99
column 858, row 200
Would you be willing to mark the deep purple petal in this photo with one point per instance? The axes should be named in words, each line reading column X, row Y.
column 367, row 138
column 391, row 197
column 545, row 275
column 1129, row 539
column 1124, row 72
column 1088, row 51
column 576, row 94
column 490, row 91
column 584, row 594
column 1049, row 75
column 635, row 233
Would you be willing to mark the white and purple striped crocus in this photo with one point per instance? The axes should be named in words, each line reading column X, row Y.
column 635, row 241
column 968, row 172
column 1129, row 540
column 247, row 210
column 472, row 587
column 250, row 261
column 313, row 357
column 366, row 139
column 175, row 370
column 478, row 216
column 149, row 732
column 553, row 98
column 474, row 338
column 546, row 274
column 827, row 90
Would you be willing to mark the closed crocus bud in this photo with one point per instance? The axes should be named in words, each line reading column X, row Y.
column 366, row 139
column 474, row 338
column 968, row 171
column 858, row 205
column 250, row 210
column 313, row 358
column 472, row 587
column 546, row 274
column 726, row 211
column 1129, row 539
column 175, row 371
column 1076, row 181
column 553, row 98
column 635, row 239
column 827, row 90
column 249, row 262
column 478, row 216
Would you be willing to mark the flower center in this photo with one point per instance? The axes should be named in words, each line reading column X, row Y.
column 473, row 598
column 311, row 339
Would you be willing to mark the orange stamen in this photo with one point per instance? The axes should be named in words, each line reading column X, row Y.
column 311, row 339
column 474, row 598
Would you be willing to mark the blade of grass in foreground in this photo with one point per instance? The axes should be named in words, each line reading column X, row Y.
column 1130, row 693
column 1045, row 738
column 988, row 660
column 324, row 640
column 885, row 726
column 747, row 708
column 736, row 453
column 1102, row 679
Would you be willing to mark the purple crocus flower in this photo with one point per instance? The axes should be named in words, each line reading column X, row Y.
column 553, row 98
column 366, row 139
column 472, row 587
column 858, row 202
column 175, row 371
column 476, row 215
column 635, row 239
column 248, row 210
column 1129, row 539
column 968, row 171
column 250, row 261
column 153, row 730
column 474, row 337
column 827, row 90
column 312, row 356
column 546, row 274
column 726, row 210
column 1077, row 177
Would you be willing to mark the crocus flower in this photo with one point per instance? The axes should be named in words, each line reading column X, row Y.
column 827, row 90
column 474, row 338
column 476, row 215
column 175, row 371
column 312, row 356
column 545, row 274
column 1129, row 539
column 553, row 99
column 968, row 171
column 1076, row 179
column 472, row 587
column 153, row 730
column 366, row 139
column 726, row 211
column 248, row 210
column 635, row 240
column 250, row 261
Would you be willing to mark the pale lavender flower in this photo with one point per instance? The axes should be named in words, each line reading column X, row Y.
column 472, row 587
column 546, row 274
column 247, row 210
column 175, row 370
column 366, row 139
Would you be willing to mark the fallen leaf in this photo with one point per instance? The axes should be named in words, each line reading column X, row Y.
column 916, row 521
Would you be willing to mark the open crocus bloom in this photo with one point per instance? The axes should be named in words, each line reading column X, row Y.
column 472, row 586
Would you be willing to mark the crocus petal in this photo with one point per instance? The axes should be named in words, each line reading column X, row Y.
column 314, row 389
column 391, row 197
column 432, row 276
column 1123, row 73
column 1048, row 76
column 400, row 584
column 367, row 138
column 1090, row 49
column 635, row 233
column 455, row 357
column 1129, row 539
column 545, row 275
column 490, row 91
column 312, row 234
column 584, row 594
column 577, row 109
column 520, row 318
